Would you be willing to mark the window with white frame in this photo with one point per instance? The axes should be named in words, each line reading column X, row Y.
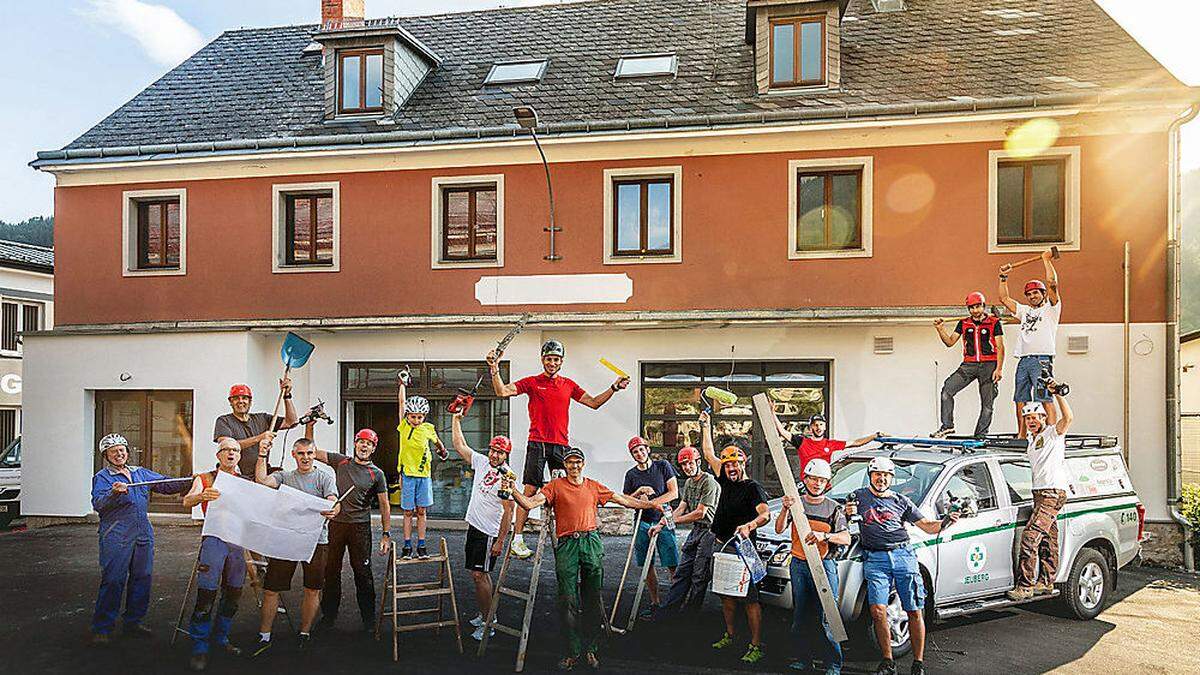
column 643, row 215
column 307, row 227
column 154, row 237
column 467, row 221
column 17, row 317
column 1033, row 201
column 830, row 207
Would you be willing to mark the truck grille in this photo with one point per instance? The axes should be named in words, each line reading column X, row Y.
column 772, row 585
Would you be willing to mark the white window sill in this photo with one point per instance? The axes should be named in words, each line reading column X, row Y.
column 465, row 264
column 295, row 269
column 823, row 255
column 156, row 273
column 642, row 259
column 993, row 247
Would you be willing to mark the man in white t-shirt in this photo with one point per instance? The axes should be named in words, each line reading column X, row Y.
column 1037, row 563
column 1034, row 344
column 489, row 518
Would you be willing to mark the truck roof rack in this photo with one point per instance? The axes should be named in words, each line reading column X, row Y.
column 1006, row 441
column 1073, row 441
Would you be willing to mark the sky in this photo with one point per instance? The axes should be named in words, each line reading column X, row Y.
column 104, row 52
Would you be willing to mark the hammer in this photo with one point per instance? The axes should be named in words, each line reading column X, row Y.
column 1054, row 254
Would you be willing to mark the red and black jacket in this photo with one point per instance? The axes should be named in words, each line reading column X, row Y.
column 979, row 338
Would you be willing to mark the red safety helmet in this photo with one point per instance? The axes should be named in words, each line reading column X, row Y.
column 240, row 390
column 687, row 453
column 501, row 443
column 1035, row 285
column 367, row 435
column 636, row 441
column 975, row 298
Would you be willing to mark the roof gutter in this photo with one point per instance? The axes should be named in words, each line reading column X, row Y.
column 50, row 158
column 1174, row 431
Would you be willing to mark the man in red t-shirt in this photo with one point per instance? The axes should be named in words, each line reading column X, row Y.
column 812, row 444
column 550, row 396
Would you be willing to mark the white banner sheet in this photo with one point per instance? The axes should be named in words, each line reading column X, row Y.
column 284, row 523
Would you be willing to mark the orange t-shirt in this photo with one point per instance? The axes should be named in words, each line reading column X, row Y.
column 824, row 516
column 575, row 505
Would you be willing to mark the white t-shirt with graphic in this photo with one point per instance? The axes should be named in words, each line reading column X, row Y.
column 1039, row 326
column 485, row 508
column 1048, row 458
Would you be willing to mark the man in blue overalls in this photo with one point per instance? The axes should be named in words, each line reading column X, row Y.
column 126, row 538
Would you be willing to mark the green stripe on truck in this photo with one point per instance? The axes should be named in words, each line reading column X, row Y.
column 1011, row 526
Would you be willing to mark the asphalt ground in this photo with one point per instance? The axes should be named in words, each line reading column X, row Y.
column 48, row 580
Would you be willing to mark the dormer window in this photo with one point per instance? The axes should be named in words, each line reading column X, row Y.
column 360, row 81
column 798, row 52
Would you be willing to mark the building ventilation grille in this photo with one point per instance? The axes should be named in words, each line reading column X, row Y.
column 1078, row 344
column 884, row 344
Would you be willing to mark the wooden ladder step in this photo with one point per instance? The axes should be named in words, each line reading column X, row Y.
column 515, row 593
column 411, row 612
column 416, row 561
column 400, row 595
column 425, row 626
column 501, row 628
column 422, row 585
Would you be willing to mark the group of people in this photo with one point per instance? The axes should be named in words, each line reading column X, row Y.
column 720, row 507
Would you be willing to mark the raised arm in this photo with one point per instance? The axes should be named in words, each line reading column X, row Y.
column 864, row 440
column 318, row 451
column 458, row 440
column 260, row 467
column 401, row 397
column 1005, row 297
column 502, row 390
column 1065, row 415
column 948, row 337
column 289, row 411
column 1052, row 293
column 785, row 515
column 199, row 494
column 595, row 402
column 706, row 443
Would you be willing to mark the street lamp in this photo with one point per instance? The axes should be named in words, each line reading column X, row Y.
column 527, row 118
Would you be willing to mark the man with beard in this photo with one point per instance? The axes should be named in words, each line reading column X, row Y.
column 983, row 361
column 351, row 528
column 550, row 395
column 741, row 509
column 696, row 506
column 1035, row 343
column 249, row 429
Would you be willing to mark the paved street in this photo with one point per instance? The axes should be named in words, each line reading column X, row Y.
column 49, row 576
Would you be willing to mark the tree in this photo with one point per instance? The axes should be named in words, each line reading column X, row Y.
column 38, row 230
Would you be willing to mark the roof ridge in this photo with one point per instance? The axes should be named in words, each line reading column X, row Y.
column 545, row 4
column 26, row 244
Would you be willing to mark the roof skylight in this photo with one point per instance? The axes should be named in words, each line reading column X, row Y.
column 647, row 65
column 523, row 71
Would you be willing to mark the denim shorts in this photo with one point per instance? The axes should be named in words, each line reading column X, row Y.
column 666, row 545
column 882, row 569
column 416, row 491
column 1029, row 369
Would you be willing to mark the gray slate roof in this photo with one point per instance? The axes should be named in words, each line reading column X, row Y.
column 256, row 84
column 26, row 256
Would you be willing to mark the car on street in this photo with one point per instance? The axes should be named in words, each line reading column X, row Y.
column 10, row 482
column 969, row 567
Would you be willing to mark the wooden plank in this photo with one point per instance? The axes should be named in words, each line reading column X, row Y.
column 401, row 595
column 501, row 628
column 521, row 595
column 424, row 626
column 829, row 603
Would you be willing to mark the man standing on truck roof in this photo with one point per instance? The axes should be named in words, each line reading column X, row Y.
column 812, row 443
column 983, row 361
column 889, row 560
column 1035, row 346
column 1037, row 563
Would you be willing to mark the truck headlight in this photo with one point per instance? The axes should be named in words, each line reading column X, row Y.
column 780, row 557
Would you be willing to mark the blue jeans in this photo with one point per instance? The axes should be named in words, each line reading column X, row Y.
column 1026, row 387
column 808, row 617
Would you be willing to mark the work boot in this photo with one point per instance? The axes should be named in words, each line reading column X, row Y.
column 1043, row 588
column 942, row 432
column 917, row 668
column 724, row 642
column 592, row 661
column 198, row 662
column 136, row 630
column 520, row 550
column 1020, row 593
column 886, row 667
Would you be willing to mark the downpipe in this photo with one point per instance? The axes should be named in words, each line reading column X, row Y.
column 1174, row 439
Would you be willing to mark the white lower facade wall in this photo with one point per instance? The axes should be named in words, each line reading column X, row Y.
column 896, row 393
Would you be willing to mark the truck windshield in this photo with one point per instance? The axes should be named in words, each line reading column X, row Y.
column 913, row 479
column 10, row 457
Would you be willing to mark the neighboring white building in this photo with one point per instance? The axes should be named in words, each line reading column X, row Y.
column 26, row 305
column 1189, row 404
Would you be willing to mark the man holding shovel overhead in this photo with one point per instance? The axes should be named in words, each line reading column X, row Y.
column 550, row 395
column 250, row 428
column 1035, row 343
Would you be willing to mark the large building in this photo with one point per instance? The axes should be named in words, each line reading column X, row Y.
column 26, row 305
column 773, row 195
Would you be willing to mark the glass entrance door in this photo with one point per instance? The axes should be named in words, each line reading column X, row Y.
column 158, row 426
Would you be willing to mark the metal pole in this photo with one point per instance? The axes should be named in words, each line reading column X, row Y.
column 550, row 190
column 1125, row 360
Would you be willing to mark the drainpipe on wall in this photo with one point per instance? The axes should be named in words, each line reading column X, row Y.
column 1174, row 440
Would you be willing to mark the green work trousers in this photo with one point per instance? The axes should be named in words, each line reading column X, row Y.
column 579, row 565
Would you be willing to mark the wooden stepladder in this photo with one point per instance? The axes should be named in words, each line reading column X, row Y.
column 396, row 592
column 646, row 565
column 528, row 596
column 256, row 567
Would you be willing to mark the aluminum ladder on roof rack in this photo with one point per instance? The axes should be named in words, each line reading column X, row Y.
column 395, row 591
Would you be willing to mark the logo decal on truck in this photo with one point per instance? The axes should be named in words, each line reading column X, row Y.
column 976, row 557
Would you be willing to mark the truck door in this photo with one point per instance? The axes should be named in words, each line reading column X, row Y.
column 974, row 556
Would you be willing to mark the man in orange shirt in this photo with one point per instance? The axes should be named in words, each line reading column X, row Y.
column 579, row 555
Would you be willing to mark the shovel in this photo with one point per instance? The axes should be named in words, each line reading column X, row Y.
column 295, row 353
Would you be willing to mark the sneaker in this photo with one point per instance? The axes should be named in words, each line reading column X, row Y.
column 942, row 432
column 263, row 646
column 406, row 552
column 520, row 550
column 592, row 661
column 302, row 641
column 886, row 667
column 477, row 621
column 198, row 662
column 478, row 634
column 800, row 665
column 1020, row 593
column 422, row 553
column 833, row 670
column 567, row 663
column 1043, row 588
column 918, row 668
column 724, row 642
column 754, row 654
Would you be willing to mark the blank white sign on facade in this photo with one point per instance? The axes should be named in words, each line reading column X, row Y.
column 554, row 289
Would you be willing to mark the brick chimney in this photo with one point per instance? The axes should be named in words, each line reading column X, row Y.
column 341, row 12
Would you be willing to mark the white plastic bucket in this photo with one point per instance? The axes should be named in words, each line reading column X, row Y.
column 730, row 576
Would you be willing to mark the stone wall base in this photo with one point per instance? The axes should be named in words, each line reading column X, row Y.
column 1163, row 545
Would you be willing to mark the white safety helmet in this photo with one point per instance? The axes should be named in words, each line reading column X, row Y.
column 882, row 464
column 1033, row 408
column 416, row 405
column 111, row 441
column 818, row 468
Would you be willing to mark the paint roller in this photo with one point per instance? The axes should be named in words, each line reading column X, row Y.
column 711, row 394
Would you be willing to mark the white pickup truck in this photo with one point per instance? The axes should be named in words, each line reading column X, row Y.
column 10, row 482
column 969, row 567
